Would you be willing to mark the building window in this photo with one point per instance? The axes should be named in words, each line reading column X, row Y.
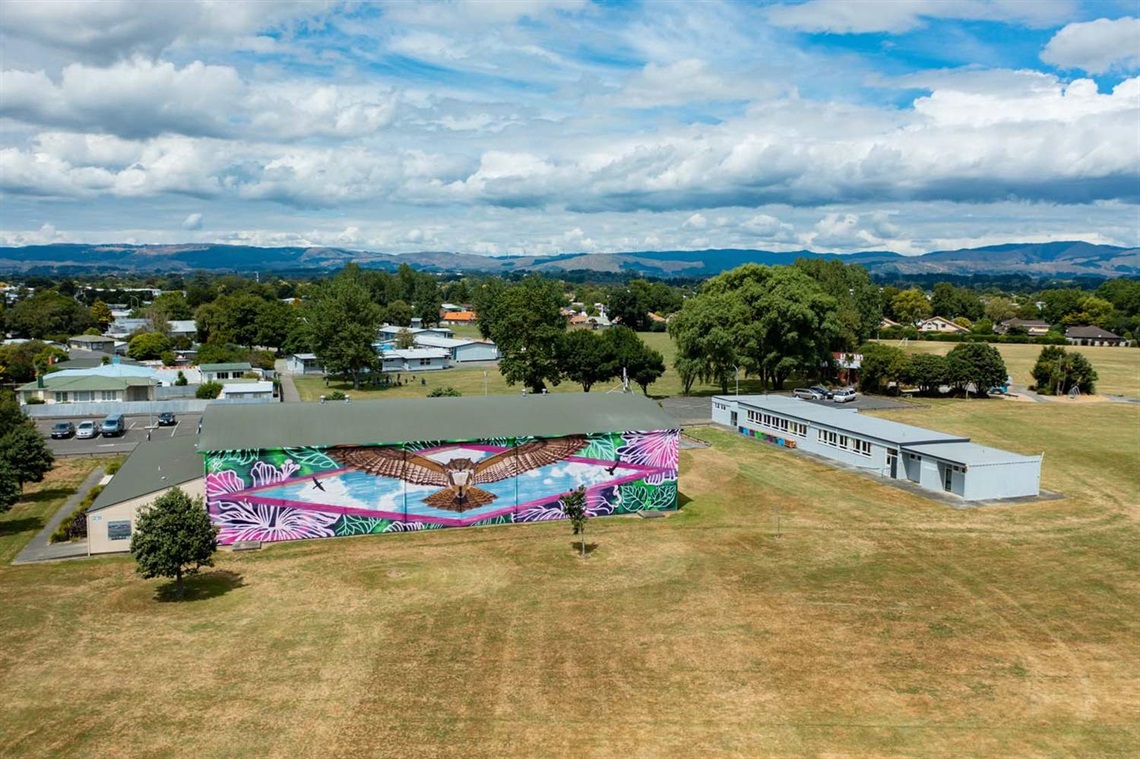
column 827, row 437
column 843, row 442
column 108, row 395
column 862, row 447
column 425, row 362
column 60, row 397
column 84, row 395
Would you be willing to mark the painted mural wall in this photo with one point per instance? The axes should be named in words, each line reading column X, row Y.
column 321, row 492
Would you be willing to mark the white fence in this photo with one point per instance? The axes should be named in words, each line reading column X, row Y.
column 132, row 408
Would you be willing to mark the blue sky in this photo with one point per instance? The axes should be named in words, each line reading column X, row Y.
column 534, row 127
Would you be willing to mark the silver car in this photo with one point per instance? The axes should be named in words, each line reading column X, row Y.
column 86, row 431
column 844, row 394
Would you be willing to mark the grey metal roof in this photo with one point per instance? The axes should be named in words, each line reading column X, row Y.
column 844, row 419
column 238, row 366
column 152, row 467
column 280, row 425
column 969, row 454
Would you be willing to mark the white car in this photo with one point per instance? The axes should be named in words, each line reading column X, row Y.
column 86, row 431
column 844, row 394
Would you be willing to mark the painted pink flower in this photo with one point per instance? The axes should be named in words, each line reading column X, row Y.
column 267, row 474
column 228, row 481
column 222, row 483
column 653, row 449
column 240, row 520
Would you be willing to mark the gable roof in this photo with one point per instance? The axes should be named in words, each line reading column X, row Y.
column 845, row 419
column 151, row 467
column 1088, row 331
column 281, row 425
column 237, row 366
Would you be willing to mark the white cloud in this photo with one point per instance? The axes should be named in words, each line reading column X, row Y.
column 111, row 29
column 696, row 221
column 193, row 222
column 900, row 16
column 1096, row 46
column 142, row 98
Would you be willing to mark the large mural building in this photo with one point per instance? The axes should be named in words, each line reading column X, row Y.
column 298, row 471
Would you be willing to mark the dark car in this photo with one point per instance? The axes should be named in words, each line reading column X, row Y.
column 61, row 430
column 822, row 391
column 166, row 419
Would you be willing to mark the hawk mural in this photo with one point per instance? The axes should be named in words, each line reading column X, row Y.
column 459, row 477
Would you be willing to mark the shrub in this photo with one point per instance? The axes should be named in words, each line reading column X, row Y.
column 35, row 401
column 447, row 391
column 181, row 380
column 208, row 390
column 74, row 525
column 335, row 395
column 114, row 467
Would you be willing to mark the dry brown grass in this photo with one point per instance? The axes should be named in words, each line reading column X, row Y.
column 880, row 624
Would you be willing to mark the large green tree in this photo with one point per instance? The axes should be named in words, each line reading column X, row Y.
column 22, row 447
column 859, row 304
column 789, row 323
column 628, row 352
column 343, row 324
column 584, row 357
column 47, row 314
column 101, row 315
column 148, row 345
column 527, row 326
column 911, row 306
column 1058, row 371
column 174, row 537
column 881, row 366
column 979, row 364
column 703, row 332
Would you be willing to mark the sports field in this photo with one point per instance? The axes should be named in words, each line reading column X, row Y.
column 1118, row 368
column 878, row 624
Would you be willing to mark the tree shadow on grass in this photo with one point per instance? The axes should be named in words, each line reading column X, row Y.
column 590, row 547
column 201, row 586
column 683, row 500
column 47, row 494
column 25, row 524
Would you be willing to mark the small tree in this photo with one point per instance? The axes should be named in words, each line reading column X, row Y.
column 981, row 364
column 208, row 390
column 148, row 345
column 405, row 339
column 447, row 391
column 9, row 487
column 23, row 449
column 574, row 507
column 181, row 380
column 173, row 537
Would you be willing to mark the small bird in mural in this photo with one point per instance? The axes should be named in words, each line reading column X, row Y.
column 610, row 469
column 317, row 484
column 458, row 477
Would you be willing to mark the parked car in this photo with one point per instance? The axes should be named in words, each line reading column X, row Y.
column 822, row 391
column 844, row 395
column 166, row 419
column 806, row 393
column 113, row 426
column 86, row 430
column 62, row 430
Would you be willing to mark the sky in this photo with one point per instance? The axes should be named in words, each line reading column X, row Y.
column 564, row 126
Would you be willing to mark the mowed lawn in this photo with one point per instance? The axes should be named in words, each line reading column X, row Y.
column 41, row 500
column 470, row 380
column 878, row 624
column 1118, row 368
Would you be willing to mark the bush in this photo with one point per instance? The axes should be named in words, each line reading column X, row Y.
column 74, row 525
column 208, row 390
column 335, row 395
column 35, row 402
column 114, row 467
column 447, row 391
column 180, row 380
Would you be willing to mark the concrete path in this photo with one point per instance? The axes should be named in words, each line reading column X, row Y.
column 289, row 392
column 40, row 548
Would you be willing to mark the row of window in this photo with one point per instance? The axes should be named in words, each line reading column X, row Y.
column 79, row 396
column 778, row 423
column 844, row 442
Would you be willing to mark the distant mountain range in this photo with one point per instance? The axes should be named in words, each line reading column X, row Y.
column 1054, row 259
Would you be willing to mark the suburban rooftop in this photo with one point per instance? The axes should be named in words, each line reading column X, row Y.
column 283, row 425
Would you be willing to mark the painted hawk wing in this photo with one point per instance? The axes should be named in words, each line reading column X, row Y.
column 532, row 455
column 393, row 462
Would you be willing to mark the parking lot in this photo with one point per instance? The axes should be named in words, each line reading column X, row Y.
column 137, row 428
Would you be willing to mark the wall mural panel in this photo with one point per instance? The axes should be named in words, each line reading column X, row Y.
column 320, row 492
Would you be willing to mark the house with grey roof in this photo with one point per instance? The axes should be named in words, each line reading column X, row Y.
column 1093, row 336
column 937, row 461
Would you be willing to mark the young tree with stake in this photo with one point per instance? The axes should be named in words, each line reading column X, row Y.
column 574, row 507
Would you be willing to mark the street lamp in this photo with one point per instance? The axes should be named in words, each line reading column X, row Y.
column 736, row 376
column 484, row 383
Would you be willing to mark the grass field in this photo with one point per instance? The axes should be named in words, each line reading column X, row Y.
column 41, row 500
column 1118, row 368
column 879, row 624
column 469, row 381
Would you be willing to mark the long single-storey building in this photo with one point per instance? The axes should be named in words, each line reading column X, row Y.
column 306, row 470
column 934, row 460
column 460, row 350
column 152, row 469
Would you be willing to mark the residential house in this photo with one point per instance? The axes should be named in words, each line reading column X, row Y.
column 98, row 384
column 247, row 391
column 458, row 317
column 460, row 350
column 222, row 372
column 938, row 324
column 95, row 343
column 1093, row 336
column 1032, row 327
column 303, row 363
column 886, row 323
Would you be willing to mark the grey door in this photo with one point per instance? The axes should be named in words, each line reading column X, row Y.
column 733, row 418
column 893, row 462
